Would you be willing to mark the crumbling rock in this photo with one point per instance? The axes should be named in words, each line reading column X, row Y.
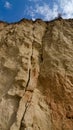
column 36, row 75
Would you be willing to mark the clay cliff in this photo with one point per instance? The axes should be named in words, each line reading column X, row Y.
column 36, row 75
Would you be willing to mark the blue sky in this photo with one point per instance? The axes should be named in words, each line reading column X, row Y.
column 14, row 10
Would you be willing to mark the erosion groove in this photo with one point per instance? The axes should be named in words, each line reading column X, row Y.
column 36, row 75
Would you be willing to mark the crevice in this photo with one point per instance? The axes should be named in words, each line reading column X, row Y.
column 42, row 46
column 28, row 80
column 22, row 124
column 31, row 59
column 32, row 43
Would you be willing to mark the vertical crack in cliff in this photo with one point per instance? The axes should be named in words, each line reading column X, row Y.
column 42, row 45
column 31, row 57
column 22, row 124
column 29, row 72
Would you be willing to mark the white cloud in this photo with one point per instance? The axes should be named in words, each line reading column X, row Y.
column 7, row 5
column 44, row 11
column 66, row 7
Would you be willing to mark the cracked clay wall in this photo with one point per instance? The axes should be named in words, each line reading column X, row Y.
column 36, row 75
